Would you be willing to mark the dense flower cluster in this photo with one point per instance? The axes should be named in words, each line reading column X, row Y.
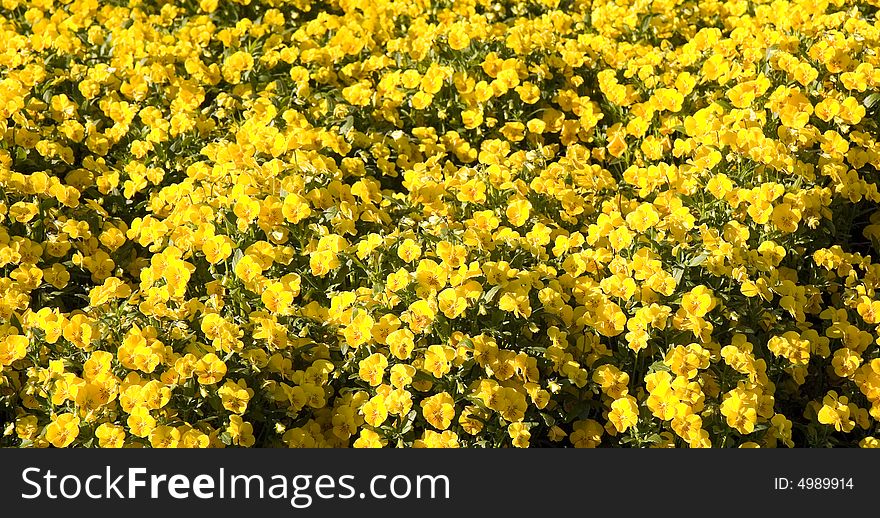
column 439, row 223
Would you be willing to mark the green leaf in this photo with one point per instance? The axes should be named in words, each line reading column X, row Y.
column 347, row 125
column 236, row 257
column 658, row 366
column 698, row 260
column 408, row 422
column 677, row 273
column 653, row 438
column 489, row 295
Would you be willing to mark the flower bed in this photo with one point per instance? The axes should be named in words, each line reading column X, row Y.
column 473, row 223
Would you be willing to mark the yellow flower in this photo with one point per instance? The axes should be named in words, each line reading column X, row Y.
column 624, row 413
column 12, row 348
column 432, row 277
column 587, row 434
column 210, row 369
column 372, row 369
column 420, row 316
column 164, row 437
column 241, row 432
column 698, row 301
column 520, row 435
column 739, row 408
column 518, row 211
column 528, row 93
column 79, row 331
column 368, row 439
column 432, row 439
column 375, row 412
column 471, row 118
column 235, row 396
column 401, row 343
column 437, row 359
column 140, row 422
column 358, row 94
column 451, row 303
column 235, row 65
column 359, row 331
column 439, row 410
column 217, row 249
column 110, row 435
column 836, row 411
column 409, row 250
column 63, row 430
column 458, row 38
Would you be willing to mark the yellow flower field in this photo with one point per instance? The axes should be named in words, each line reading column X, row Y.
column 469, row 223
